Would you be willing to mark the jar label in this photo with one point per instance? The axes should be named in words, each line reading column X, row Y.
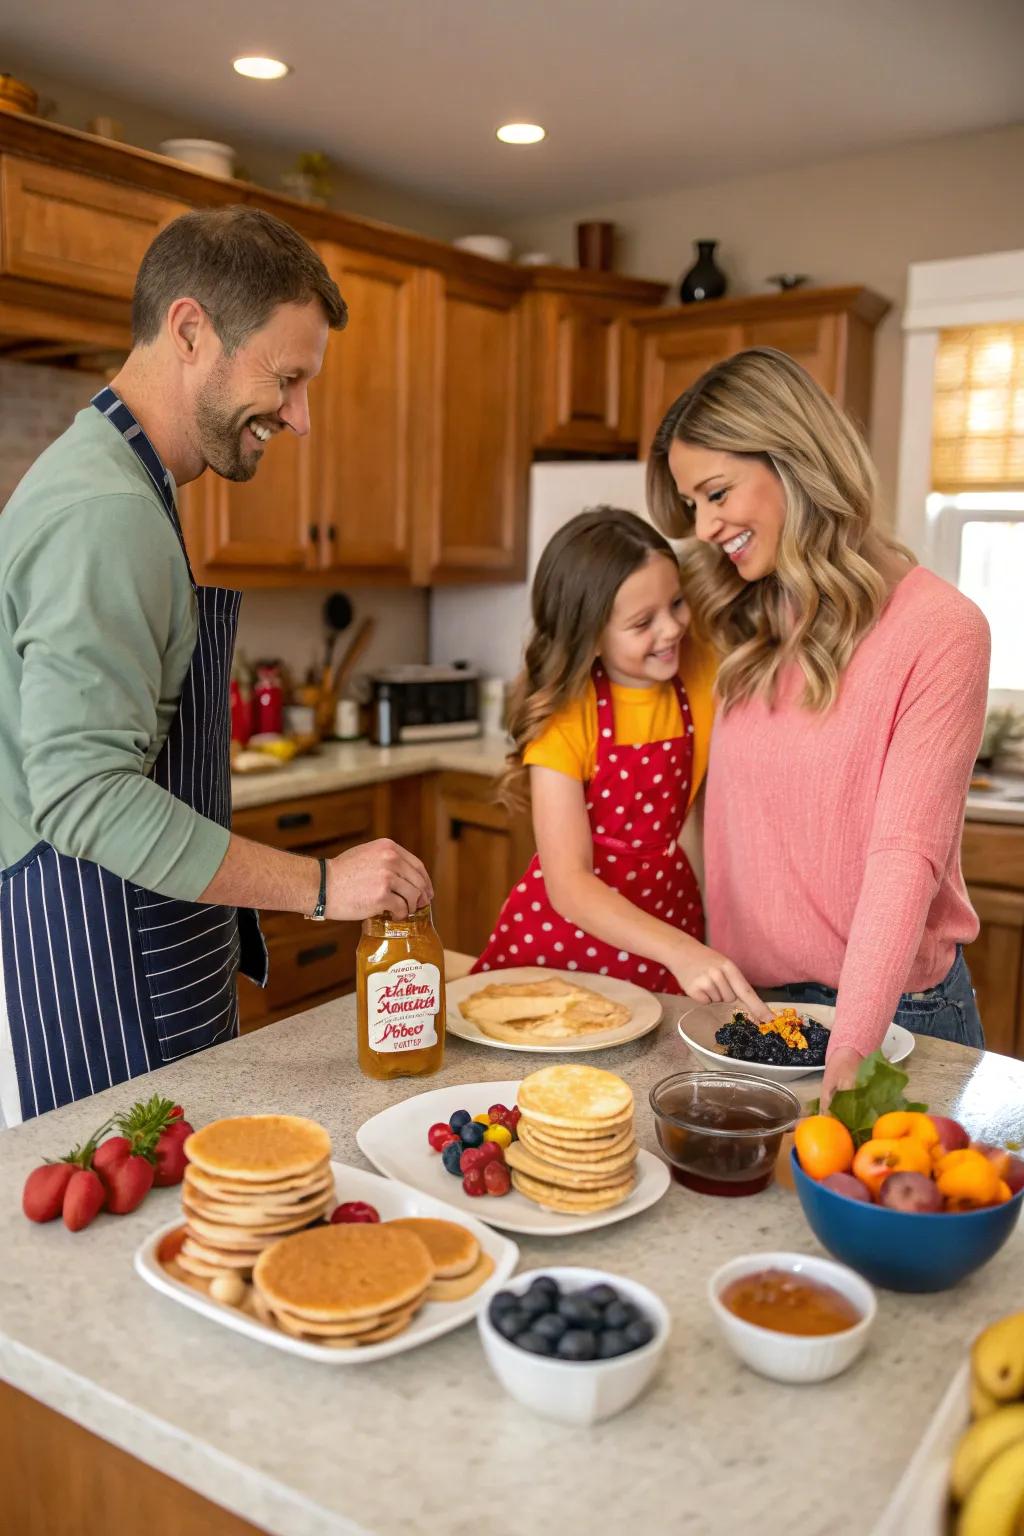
column 402, row 1004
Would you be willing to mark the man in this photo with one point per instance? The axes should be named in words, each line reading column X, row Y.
column 125, row 901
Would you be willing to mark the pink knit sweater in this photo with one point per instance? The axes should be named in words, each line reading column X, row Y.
column 832, row 841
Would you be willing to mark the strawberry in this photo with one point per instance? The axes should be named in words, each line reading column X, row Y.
column 113, row 1150
column 43, row 1195
column 83, row 1198
column 169, row 1151
column 128, row 1182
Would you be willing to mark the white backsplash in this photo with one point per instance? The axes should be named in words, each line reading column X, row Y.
column 289, row 626
column 38, row 405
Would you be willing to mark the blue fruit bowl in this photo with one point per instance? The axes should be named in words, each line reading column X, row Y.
column 904, row 1250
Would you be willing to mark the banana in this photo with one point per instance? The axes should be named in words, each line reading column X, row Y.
column 981, row 1444
column 996, row 1502
column 982, row 1402
column 997, row 1358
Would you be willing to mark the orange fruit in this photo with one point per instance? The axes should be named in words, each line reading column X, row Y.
column 968, row 1180
column 904, row 1122
column 823, row 1145
column 878, row 1158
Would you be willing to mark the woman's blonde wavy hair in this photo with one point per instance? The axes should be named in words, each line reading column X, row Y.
column 578, row 577
column 825, row 592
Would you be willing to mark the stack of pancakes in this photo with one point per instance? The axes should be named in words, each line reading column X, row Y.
column 576, row 1150
column 460, row 1264
column 345, row 1285
column 544, row 1011
column 250, row 1181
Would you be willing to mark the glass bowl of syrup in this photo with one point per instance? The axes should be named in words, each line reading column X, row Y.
column 721, row 1131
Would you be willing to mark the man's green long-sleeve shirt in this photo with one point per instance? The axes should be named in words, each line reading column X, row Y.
column 97, row 629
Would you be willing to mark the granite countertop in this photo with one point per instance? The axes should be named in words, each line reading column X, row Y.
column 351, row 764
column 426, row 1441
column 1003, row 802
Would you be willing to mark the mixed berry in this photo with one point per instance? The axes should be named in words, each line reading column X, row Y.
column 789, row 1040
column 592, row 1324
column 472, row 1148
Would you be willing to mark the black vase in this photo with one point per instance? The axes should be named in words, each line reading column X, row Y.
column 705, row 280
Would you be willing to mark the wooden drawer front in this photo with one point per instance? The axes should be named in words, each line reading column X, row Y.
column 77, row 231
column 992, row 854
column 302, row 825
column 319, row 958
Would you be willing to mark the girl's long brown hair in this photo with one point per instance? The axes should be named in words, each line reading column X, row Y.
column 826, row 590
column 574, row 590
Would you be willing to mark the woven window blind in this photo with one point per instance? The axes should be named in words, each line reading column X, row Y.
column 978, row 414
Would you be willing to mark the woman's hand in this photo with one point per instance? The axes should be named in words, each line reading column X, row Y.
column 709, row 977
column 840, row 1072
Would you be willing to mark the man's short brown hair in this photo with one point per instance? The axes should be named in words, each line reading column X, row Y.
column 239, row 264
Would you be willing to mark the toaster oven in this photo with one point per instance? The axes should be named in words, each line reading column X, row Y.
column 424, row 703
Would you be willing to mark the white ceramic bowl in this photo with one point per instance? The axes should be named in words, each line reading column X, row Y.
column 202, row 155
column 788, row 1356
column 571, row 1391
column 494, row 247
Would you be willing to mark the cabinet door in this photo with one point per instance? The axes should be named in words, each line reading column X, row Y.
column 996, row 961
column 812, row 340
column 480, row 447
column 264, row 524
column 367, row 413
column 584, row 375
column 75, row 231
column 673, row 360
column 481, row 851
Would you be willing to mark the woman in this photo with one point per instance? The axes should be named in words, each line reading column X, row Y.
column 852, row 692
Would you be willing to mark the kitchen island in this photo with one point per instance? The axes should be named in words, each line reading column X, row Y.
column 426, row 1442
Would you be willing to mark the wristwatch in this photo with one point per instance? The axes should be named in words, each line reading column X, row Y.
column 319, row 912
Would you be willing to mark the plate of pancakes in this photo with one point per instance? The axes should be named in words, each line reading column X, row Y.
column 253, row 1247
column 536, row 1008
column 574, row 1164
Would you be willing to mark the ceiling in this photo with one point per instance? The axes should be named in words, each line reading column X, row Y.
column 637, row 97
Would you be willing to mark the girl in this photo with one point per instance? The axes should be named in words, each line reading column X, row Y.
column 852, row 698
column 615, row 747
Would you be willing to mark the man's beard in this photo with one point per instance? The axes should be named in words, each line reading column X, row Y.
column 219, row 431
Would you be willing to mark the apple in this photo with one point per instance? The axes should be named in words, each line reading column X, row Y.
column 1014, row 1174
column 846, row 1184
column 997, row 1156
column 951, row 1133
column 910, row 1192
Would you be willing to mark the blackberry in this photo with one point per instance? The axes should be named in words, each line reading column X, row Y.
column 743, row 1041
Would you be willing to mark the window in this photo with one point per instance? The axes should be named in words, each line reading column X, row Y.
column 978, row 544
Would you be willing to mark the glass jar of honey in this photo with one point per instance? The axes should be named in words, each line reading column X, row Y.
column 400, row 996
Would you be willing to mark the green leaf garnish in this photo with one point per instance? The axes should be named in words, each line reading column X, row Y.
column 878, row 1092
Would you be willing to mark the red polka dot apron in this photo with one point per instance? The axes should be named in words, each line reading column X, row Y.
column 636, row 802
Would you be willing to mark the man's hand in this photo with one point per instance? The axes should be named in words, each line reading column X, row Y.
column 376, row 877
column 840, row 1072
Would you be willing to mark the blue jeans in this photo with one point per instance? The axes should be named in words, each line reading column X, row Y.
column 948, row 1011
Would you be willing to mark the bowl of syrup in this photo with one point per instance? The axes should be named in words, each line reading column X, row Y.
column 721, row 1131
column 792, row 1316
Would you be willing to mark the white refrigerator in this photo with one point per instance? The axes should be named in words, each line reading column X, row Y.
column 487, row 625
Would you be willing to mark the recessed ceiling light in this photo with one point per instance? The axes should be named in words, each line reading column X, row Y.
column 258, row 68
column 521, row 133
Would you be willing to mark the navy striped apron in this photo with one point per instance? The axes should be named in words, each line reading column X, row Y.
column 105, row 980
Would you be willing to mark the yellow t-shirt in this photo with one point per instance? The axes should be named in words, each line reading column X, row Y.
column 568, row 743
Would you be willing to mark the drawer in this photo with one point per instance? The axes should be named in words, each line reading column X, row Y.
column 76, row 231
column 310, row 823
column 306, row 960
column 993, row 854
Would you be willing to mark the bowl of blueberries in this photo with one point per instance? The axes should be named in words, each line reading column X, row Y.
column 573, row 1344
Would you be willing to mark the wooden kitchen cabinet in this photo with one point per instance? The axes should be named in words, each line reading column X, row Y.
column 473, row 503
column 240, row 532
column 583, row 360
column 481, row 850
column 829, row 331
column 75, row 231
column 369, row 409
column 992, row 856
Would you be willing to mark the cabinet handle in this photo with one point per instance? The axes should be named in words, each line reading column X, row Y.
column 318, row 952
column 294, row 819
column 332, row 533
column 455, row 830
column 314, row 533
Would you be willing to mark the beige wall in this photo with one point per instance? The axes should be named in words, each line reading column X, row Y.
column 859, row 220
column 74, row 105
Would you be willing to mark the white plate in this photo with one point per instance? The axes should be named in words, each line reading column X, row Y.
column 705, row 1020
column 645, row 1009
column 396, row 1142
column 919, row 1503
column 391, row 1200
